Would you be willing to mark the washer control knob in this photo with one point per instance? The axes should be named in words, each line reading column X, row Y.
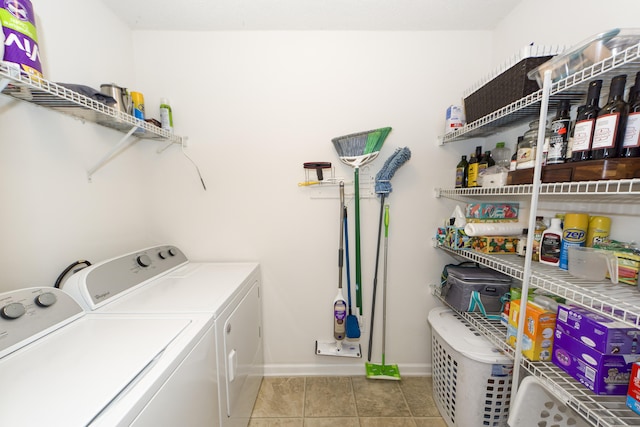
column 172, row 252
column 162, row 255
column 13, row 310
column 46, row 299
column 143, row 260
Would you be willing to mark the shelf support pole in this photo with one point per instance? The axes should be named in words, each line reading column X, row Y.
column 111, row 153
column 535, row 191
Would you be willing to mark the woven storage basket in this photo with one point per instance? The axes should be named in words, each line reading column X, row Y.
column 504, row 89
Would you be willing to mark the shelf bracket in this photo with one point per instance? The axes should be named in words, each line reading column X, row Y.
column 111, row 153
column 3, row 83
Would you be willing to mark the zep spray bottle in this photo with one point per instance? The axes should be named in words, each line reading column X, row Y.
column 574, row 233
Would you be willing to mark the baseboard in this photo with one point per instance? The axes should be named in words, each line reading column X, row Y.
column 336, row 368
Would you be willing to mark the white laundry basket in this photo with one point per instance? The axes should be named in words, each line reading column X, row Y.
column 534, row 406
column 471, row 377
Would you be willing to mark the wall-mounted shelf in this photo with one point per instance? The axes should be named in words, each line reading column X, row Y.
column 59, row 98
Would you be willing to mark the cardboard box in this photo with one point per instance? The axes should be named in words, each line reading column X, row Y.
column 495, row 244
column 492, row 212
column 633, row 392
column 601, row 333
column 538, row 331
column 604, row 374
column 456, row 238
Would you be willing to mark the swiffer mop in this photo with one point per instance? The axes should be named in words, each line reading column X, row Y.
column 335, row 348
column 357, row 150
column 384, row 372
column 383, row 187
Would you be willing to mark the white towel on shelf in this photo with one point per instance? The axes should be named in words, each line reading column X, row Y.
column 494, row 228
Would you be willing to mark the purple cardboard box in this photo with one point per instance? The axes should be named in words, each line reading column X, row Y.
column 601, row 333
column 600, row 373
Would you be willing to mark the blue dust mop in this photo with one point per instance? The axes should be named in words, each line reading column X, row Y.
column 383, row 187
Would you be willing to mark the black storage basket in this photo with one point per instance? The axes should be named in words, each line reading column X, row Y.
column 504, row 89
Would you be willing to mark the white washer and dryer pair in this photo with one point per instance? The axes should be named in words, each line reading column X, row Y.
column 160, row 281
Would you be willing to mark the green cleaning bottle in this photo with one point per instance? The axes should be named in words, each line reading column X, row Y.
column 166, row 115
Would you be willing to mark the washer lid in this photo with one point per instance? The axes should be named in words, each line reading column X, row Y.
column 69, row 376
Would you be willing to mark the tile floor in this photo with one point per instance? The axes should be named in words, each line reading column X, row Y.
column 345, row 401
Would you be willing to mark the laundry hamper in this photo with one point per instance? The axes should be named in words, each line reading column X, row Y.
column 471, row 377
column 534, row 406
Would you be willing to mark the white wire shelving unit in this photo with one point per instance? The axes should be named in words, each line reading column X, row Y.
column 573, row 88
column 57, row 97
column 620, row 302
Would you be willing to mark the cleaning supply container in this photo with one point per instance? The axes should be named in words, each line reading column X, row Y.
column 471, row 377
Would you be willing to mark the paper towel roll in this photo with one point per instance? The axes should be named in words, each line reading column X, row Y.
column 494, row 228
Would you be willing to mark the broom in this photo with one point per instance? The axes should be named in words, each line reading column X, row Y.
column 355, row 150
column 383, row 187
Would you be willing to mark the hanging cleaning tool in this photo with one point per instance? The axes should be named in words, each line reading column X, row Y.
column 353, row 328
column 318, row 166
column 383, row 187
column 384, row 371
column 335, row 348
column 357, row 150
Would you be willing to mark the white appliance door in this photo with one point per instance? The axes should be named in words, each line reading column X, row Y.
column 69, row 376
column 243, row 356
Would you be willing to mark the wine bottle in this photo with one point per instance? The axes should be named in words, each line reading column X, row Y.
column 462, row 173
column 611, row 122
column 474, row 161
column 585, row 124
column 631, row 144
column 559, row 139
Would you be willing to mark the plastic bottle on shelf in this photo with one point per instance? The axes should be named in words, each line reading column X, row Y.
column 462, row 173
column 501, row 155
column 537, row 237
column 631, row 144
column 166, row 115
column 610, row 124
column 559, row 138
column 551, row 243
column 585, row 124
column 574, row 233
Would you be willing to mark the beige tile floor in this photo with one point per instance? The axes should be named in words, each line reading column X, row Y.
column 345, row 401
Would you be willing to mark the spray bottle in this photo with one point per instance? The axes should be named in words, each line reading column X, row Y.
column 551, row 243
column 166, row 115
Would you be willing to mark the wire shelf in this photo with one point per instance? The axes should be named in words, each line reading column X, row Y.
column 573, row 88
column 50, row 95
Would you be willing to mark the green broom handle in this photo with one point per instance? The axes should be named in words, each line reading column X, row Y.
column 356, row 184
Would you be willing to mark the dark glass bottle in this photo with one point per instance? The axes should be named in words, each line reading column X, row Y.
column 611, row 122
column 631, row 144
column 488, row 159
column 472, row 180
column 559, row 138
column 462, row 173
column 585, row 124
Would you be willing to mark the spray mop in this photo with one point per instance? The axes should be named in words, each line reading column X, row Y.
column 336, row 348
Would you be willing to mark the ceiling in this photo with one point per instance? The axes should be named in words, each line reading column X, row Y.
column 291, row 15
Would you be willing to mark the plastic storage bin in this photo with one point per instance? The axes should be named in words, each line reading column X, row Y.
column 471, row 378
column 534, row 406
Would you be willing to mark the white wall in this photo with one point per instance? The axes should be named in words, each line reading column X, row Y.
column 51, row 215
column 255, row 106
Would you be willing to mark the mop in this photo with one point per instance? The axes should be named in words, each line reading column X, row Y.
column 335, row 348
column 383, row 187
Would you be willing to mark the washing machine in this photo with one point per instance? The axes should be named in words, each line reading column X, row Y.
column 161, row 281
column 63, row 367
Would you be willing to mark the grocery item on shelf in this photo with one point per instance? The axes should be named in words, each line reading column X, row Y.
column 551, row 243
column 462, row 173
column 528, row 147
column 474, row 167
column 501, row 155
column 513, row 164
column 454, row 118
column 559, row 135
column 631, row 143
column 20, row 38
column 599, row 228
column 604, row 374
column 585, row 124
column 537, row 339
column 537, row 237
column 628, row 260
column 166, row 115
column 493, row 176
column 495, row 244
column 456, row 238
column 601, row 333
column 633, row 392
column 521, row 249
column 611, row 122
column 486, row 212
column 574, row 233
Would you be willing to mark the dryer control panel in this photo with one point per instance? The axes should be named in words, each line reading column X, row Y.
column 96, row 285
column 28, row 314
